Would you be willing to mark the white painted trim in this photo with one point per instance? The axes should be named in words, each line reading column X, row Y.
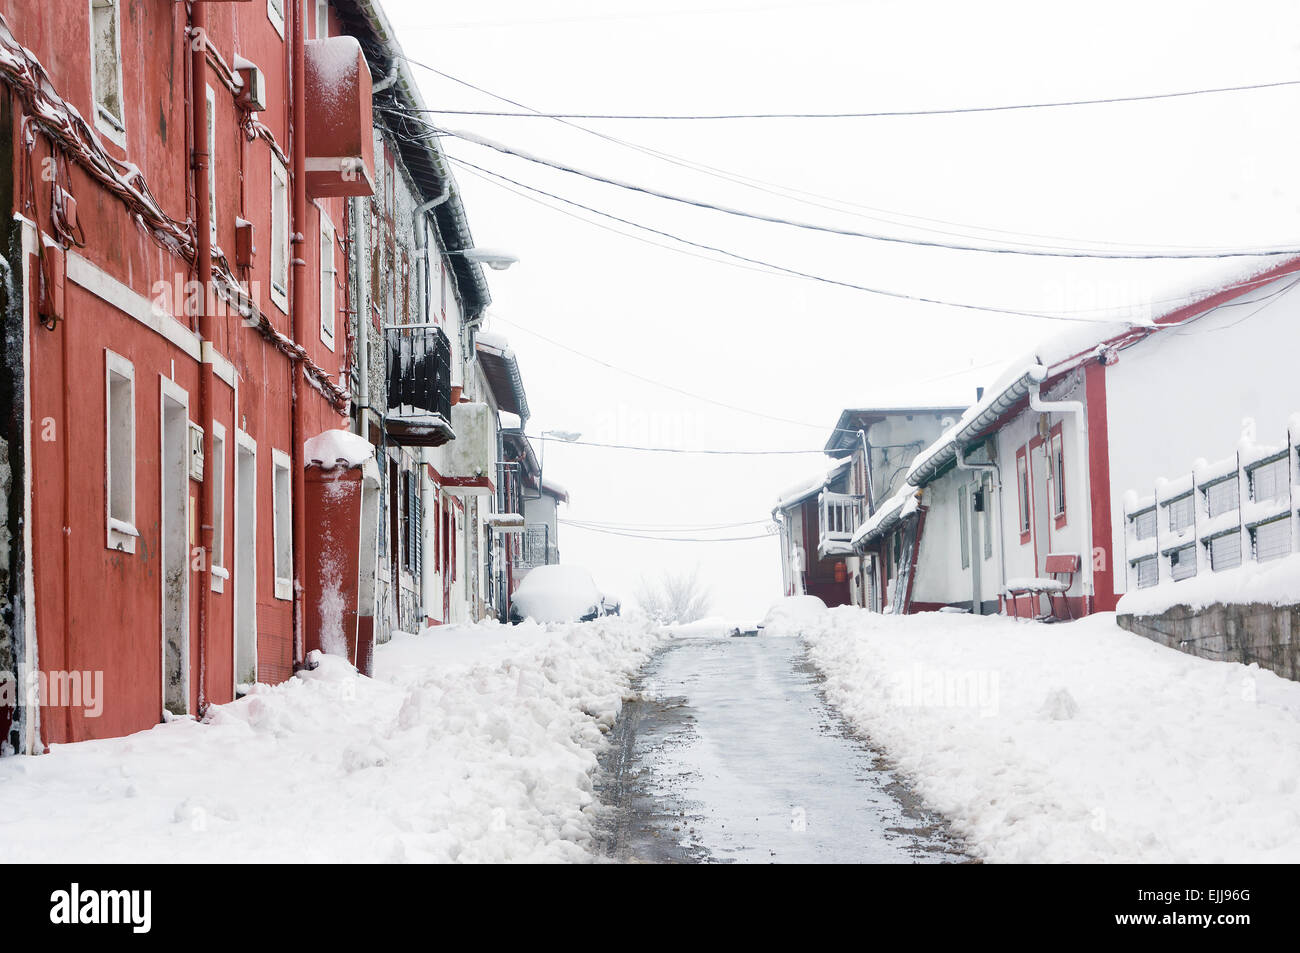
column 120, row 531
column 279, row 296
column 169, row 389
column 31, row 743
column 243, row 441
column 108, row 126
column 218, row 569
column 212, row 163
column 277, row 19
column 104, row 286
column 283, row 584
column 221, row 367
column 327, row 228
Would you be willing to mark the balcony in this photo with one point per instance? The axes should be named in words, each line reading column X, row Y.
column 419, row 386
column 838, row 515
column 538, row 548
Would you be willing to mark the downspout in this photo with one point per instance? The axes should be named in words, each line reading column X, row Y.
column 975, row 556
column 1077, row 408
column 361, row 225
column 297, row 321
column 203, row 264
column 420, row 226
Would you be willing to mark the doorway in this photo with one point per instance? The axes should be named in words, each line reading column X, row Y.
column 174, row 535
column 245, row 562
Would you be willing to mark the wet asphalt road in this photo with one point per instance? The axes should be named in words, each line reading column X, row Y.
column 732, row 755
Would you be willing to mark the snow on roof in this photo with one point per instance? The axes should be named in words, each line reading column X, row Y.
column 898, row 507
column 494, row 340
column 551, row 488
column 510, row 421
column 806, row 488
column 334, row 448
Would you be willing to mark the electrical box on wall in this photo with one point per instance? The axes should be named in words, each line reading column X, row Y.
column 196, row 451
column 253, row 95
column 245, row 250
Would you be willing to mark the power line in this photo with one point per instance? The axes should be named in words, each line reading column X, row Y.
column 665, row 527
column 781, row 268
column 715, row 451
column 789, row 193
column 881, row 114
column 670, row 539
column 1037, row 252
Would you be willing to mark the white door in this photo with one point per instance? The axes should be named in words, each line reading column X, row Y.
column 245, row 562
column 175, row 416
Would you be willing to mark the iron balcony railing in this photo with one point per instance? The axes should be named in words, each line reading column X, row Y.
column 419, row 375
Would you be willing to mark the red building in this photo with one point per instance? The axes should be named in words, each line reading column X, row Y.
column 176, row 328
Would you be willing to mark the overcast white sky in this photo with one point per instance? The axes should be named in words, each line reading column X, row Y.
column 1216, row 170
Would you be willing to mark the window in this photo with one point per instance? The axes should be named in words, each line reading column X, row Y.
column 1144, row 523
column 219, row 573
column 119, row 452
column 1181, row 513
column 275, row 13
column 282, row 503
column 1182, row 562
column 326, row 282
column 963, row 517
column 1268, row 480
column 1222, row 497
column 1022, row 484
column 212, row 161
column 413, row 534
column 1272, row 540
column 1147, row 575
column 322, row 19
column 987, row 515
column 106, row 69
column 279, row 233
column 1056, row 458
column 1225, row 551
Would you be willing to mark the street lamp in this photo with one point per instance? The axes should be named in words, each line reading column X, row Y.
column 495, row 259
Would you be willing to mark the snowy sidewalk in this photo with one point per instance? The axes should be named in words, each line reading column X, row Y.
column 471, row 744
column 1075, row 742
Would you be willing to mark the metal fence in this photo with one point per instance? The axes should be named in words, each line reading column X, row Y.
column 419, row 371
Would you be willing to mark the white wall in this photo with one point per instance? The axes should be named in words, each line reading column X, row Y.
column 1181, row 394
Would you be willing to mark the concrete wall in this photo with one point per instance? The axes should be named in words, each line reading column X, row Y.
column 1249, row 633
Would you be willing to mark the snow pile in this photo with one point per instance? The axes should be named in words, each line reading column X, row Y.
column 556, row 593
column 714, row 627
column 473, row 744
column 1275, row 583
column 788, row 616
column 337, row 448
column 1072, row 743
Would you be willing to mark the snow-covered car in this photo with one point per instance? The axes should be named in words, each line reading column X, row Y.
column 557, row 593
column 610, row 604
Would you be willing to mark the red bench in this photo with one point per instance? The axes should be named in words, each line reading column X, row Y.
column 1061, row 568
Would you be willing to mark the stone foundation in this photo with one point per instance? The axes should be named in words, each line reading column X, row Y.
column 1252, row 632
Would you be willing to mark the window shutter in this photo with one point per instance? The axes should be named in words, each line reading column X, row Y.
column 1273, row 540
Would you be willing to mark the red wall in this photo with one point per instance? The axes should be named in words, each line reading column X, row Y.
column 107, row 616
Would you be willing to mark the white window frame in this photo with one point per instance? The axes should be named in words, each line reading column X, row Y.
column 276, row 16
column 279, row 257
column 219, row 571
column 1056, row 445
column 986, row 487
column 328, row 282
column 282, row 523
column 322, row 19
column 1025, row 507
column 114, row 127
column 212, row 162
column 120, row 529
column 963, row 523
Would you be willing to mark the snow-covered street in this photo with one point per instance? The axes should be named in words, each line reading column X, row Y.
column 473, row 744
column 731, row 755
column 1072, row 743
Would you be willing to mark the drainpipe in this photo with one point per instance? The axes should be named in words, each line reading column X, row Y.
column 420, row 226
column 975, row 556
column 298, row 321
column 387, row 81
column 1077, row 408
column 203, row 251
